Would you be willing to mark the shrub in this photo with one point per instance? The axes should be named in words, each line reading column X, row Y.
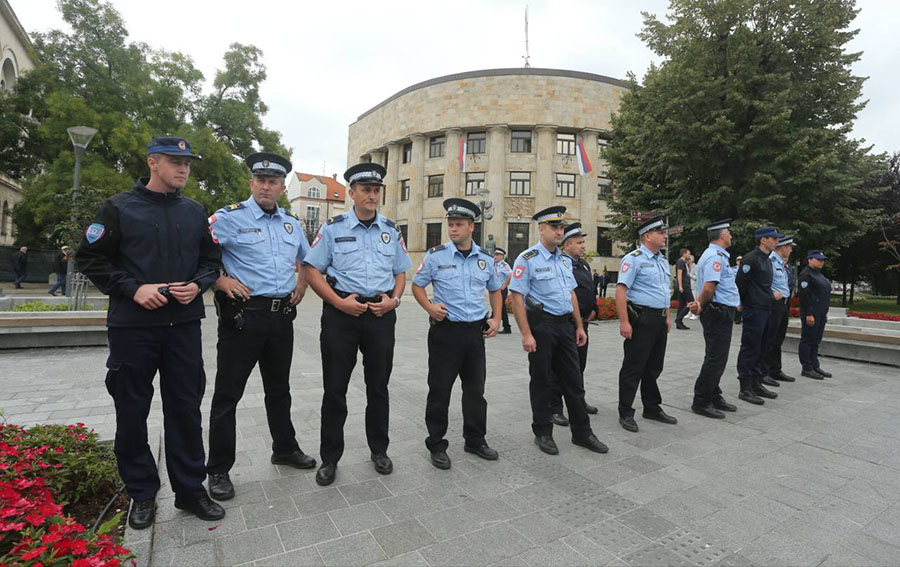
column 36, row 306
column 607, row 309
column 876, row 316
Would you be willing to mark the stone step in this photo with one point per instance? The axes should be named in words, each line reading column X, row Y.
column 49, row 329
column 849, row 348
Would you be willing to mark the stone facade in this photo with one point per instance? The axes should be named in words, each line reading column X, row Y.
column 553, row 109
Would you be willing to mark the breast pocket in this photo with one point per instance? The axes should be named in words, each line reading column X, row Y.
column 249, row 238
column 386, row 253
column 347, row 255
column 289, row 247
column 544, row 282
column 480, row 278
column 650, row 274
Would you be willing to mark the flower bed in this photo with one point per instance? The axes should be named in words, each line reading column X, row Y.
column 45, row 472
column 607, row 309
column 876, row 316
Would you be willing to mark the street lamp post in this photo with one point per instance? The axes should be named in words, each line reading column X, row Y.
column 81, row 136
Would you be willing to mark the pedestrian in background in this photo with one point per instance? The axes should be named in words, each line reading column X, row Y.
column 60, row 266
column 20, row 266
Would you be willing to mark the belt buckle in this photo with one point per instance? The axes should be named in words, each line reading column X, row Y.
column 276, row 305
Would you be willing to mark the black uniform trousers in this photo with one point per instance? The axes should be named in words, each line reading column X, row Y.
column 556, row 357
column 684, row 298
column 504, row 312
column 342, row 335
column 267, row 337
column 456, row 349
column 810, row 337
column 777, row 329
column 718, row 322
column 135, row 355
column 556, row 405
column 645, row 353
column 753, row 341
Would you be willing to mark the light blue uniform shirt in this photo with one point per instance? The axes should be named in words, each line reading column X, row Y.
column 362, row 260
column 779, row 275
column 259, row 249
column 503, row 270
column 546, row 278
column 646, row 275
column 714, row 267
column 458, row 281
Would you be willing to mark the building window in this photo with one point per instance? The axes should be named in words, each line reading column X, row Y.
column 436, row 147
column 565, row 184
column 476, row 234
column 404, row 231
column 404, row 190
column 474, row 183
column 520, row 183
column 603, row 188
column 601, row 146
column 407, row 152
column 312, row 220
column 521, row 142
column 435, row 185
column 432, row 234
column 565, row 144
column 476, row 143
column 604, row 242
column 312, row 192
column 4, row 218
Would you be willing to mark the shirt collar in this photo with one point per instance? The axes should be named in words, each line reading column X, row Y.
column 648, row 253
column 774, row 256
column 719, row 248
column 475, row 248
column 257, row 210
column 546, row 254
column 354, row 220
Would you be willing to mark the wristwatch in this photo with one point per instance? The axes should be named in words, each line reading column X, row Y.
column 397, row 299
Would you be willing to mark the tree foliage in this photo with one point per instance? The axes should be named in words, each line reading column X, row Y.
column 748, row 116
column 94, row 76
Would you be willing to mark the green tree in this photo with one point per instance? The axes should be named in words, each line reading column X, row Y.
column 748, row 116
column 93, row 76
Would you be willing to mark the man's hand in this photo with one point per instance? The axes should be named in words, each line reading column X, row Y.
column 778, row 296
column 184, row 294
column 694, row 307
column 232, row 288
column 493, row 327
column 592, row 316
column 436, row 311
column 528, row 343
column 297, row 294
column 148, row 297
column 810, row 320
column 386, row 304
column 350, row 306
column 668, row 323
column 680, row 289
column 625, row 329
column 580, row 337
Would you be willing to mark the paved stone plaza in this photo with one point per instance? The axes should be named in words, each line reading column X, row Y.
column 812, row 478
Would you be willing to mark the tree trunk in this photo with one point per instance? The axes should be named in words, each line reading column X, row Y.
column 843, row 294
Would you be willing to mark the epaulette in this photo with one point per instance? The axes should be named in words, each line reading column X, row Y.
column 720, row 253
column 234, row 206
column 291, row 214
column 390, row 223
column 636, row 253
column 436, row 248
column 530, row 254
column 335, row 219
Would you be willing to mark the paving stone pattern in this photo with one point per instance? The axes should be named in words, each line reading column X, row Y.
column 812, row 478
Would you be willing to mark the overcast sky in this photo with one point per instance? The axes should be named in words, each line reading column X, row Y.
column 330, row 61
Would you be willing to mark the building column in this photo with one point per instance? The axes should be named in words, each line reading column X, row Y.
column 589, row 187
column 496, row 181
column 391, row 184
column 542, row 186
column 416, row 226
column 454, row 179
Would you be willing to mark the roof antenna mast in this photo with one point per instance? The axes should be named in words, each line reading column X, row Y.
column 526, row 57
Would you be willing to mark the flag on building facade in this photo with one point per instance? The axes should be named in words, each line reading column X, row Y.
column 462, row 154
column 584, row 164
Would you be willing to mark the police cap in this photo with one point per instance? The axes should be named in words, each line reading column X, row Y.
column 656, row 223
column 171, row 147
column 818, row 254
column 573, row 230
column 767, row 232
column 367, row 173
column 266, row 163
column 550, row 215
column 461, row 209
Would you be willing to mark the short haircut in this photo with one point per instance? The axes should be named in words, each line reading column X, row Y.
column 714, row 235
column 682, row 251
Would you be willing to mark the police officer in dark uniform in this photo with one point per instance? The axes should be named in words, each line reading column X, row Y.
column 504, row 272
column 782, row 288
column 754, row 281
column 149, row 250
column 459, row 271
column 642, row 303
column 586, row 292
column 815, row 293
column 716, row 304
column 262, row 245
column 364, row 260
column 545, row 307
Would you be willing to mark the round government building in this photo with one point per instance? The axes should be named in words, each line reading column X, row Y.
column 522, row 139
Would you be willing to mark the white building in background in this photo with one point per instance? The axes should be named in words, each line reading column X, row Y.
column 315, row 198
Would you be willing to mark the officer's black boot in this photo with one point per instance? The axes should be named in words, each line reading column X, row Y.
column 747, row 394
column 757, row 388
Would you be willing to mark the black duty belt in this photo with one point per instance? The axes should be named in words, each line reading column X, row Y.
column 781, row 301
column 362, row 298
column 261, row 303
column 557, row 319
column 460, row 324
column 722, row 306
column 643, row 309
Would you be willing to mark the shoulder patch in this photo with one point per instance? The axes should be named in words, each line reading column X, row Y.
column 335, row 219
column 436, row 248
column 636, row 253
column 234, row 206
column 291, row 214
column 530, row 254
column 390, row 223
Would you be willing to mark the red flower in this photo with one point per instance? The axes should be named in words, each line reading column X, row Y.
column 34, row 553
column 35, row 519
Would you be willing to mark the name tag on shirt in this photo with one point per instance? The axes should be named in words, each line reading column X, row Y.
column 547, row 269
column 247, row 230
column 345, row 239
column 446, row 267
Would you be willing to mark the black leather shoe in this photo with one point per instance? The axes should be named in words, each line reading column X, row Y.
column 326, row 473
column 812, row 374
column 769, row 381
column 546, row 444
column 203, row 508
column 823, row 373
column 660, row 416
column 591, row 442
column 780, row 375
column 220, row 486
column 298, row 459
column 708, row 411
column 383, row 464
column 757, row 388
column 505, row 332
column 721, row 405
column 483, row 451
column 591, row 409
column 749, row 396
column 142, row 515
column 440, row 459
column 628, row 423
column 682, row 327
column 559, row 419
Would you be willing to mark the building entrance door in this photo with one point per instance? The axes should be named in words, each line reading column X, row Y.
column 517, row 240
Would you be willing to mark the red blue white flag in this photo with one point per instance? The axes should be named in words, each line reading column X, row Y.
column 462, row 154
column 584, row 164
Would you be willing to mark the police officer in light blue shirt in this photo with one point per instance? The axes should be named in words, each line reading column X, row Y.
column 642, row 302
column 503, row 272
column 778, row 319
column 262, row 245
column 717, row 302
column 459, row 272
column 546, row 310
